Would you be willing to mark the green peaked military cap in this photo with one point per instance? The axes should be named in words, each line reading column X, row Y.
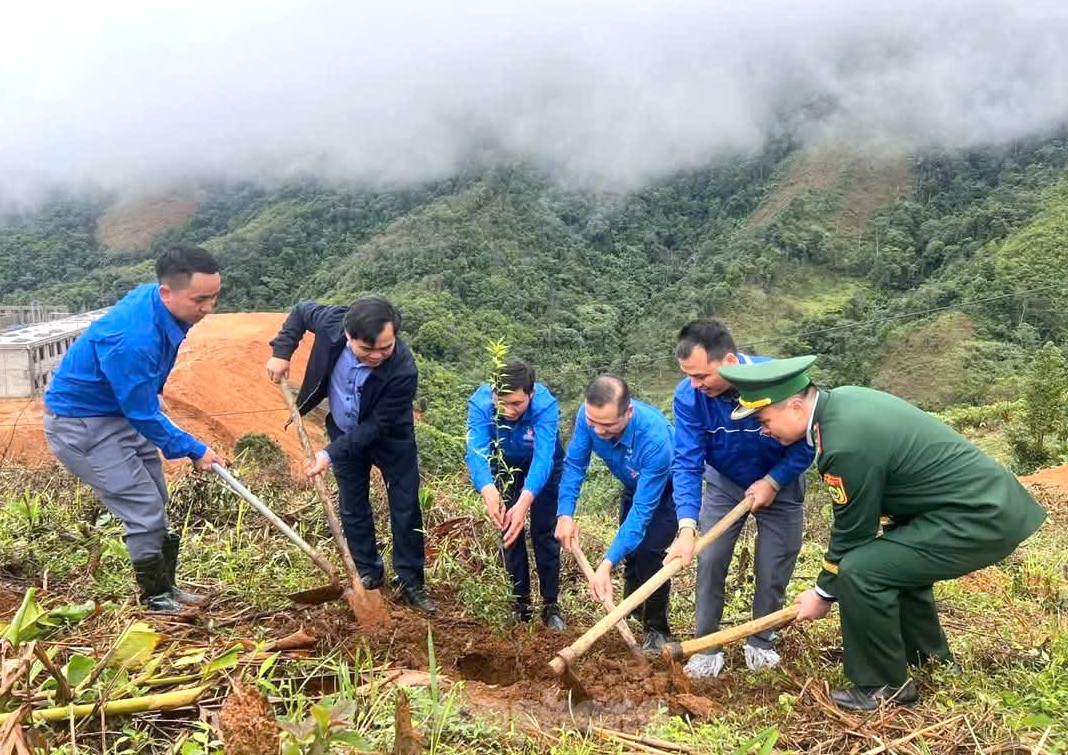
column 766, row 383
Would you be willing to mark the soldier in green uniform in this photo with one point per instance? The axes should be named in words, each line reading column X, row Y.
column 944, row 509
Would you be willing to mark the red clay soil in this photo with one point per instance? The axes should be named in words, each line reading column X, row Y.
column 218, row 391
column 1054, row 478
column 507, row 675
column 1051, row 488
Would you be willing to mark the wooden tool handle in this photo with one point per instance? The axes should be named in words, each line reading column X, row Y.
column 324, row 494
column 608, row 603
column 680, row 650
column 577, row 648
column 274, row 519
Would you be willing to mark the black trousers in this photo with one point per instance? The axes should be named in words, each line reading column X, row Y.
column 542, row 535
column 399, row 462
column 648, row 558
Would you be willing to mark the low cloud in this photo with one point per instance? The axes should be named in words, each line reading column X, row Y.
column 128, row 96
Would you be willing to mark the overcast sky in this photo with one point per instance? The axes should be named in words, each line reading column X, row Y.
column 129, row 94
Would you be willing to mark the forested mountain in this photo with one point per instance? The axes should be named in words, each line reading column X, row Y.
column 935, row 275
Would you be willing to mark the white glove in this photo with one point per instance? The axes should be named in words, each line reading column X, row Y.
column 705, row 665
column 758, row 658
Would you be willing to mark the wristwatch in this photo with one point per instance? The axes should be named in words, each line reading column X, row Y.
column 688, row 523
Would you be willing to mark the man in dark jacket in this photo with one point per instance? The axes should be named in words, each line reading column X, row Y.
column 369, row 376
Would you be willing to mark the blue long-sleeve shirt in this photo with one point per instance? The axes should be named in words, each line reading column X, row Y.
column 118, row 366
column 528, row 443
column 640, row 459
column 346, row 383
column 706, row 434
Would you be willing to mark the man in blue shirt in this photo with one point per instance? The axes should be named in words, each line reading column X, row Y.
column 735, row 459
column 635, row 442
column 513, row 448
column 369, row 374
column 103, row 418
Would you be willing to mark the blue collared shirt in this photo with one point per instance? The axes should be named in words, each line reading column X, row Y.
column 529, row 442
column 737, row 449
column 118, row 366
column 346, row 382
column 640, row 459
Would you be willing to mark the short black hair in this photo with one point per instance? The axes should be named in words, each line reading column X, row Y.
column 368, row 316
column 607, row 389
column 516, row 375
column 708, row 333
column 179, row 262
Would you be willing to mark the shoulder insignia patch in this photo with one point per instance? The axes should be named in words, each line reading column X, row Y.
column 836, row 487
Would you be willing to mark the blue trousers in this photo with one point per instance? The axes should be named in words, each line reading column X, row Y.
column 399, row 463
column 542, row 536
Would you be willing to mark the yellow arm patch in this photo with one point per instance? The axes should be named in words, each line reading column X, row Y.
column 829, row 566
column 836, row 487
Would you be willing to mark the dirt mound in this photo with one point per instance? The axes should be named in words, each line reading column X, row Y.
column 1051, row 488
column 506, row 671
column 133, row 224
column 1054, row 478
column 218, row 391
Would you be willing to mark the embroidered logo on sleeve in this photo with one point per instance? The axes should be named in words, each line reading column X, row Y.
column 836, row 487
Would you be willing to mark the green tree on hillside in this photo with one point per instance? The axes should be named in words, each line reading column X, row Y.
column 1037, row 437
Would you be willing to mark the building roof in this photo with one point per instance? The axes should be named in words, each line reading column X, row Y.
column 28, row 336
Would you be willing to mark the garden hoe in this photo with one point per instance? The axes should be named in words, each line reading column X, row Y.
column 608, row 604
column 566, row 657
column 316, row 594
column 367, row 605
column 680, row 651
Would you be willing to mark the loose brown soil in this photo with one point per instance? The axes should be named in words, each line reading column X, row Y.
column 247, row 723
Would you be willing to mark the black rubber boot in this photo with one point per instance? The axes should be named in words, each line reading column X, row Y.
column 172, row 541
column 151, row 574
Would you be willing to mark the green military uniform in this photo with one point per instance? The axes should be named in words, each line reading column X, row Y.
column 945, row 509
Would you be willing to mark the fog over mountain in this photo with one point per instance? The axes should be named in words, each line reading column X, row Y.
column 130, row 96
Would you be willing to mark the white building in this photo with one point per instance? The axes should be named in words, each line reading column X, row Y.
column 29, row 354
column 30, row 314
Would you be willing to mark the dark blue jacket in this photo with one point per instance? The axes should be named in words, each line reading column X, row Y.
column 387, row 396
column 737, row 449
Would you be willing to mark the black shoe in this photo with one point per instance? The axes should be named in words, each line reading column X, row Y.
column 414, row 595
column 550, row 617
column 371, row 583
column 522, row 612
column 152, row 578
column 171, row 543
column 654, row 641
column 868, row 698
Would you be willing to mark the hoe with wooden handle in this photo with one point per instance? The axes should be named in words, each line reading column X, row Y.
column 678, row 651
column 317, row 558
column 367, row 605
column 608, row 603
column 578, row 648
